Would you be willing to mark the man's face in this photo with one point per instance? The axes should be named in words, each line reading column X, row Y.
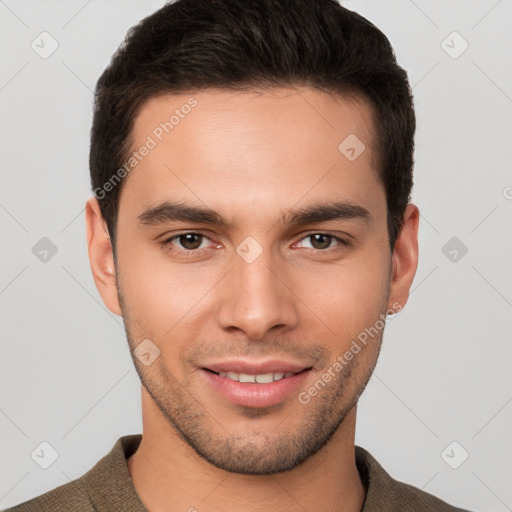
column 260, row 294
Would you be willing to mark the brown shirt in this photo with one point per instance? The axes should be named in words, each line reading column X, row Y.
column 107, row 487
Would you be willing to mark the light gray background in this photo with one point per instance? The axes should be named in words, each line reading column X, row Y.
column 444, row 371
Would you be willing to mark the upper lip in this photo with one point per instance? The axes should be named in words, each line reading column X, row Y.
column 255, row 367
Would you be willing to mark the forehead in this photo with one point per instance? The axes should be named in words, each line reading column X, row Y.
column 258, row 143
column 303, row 112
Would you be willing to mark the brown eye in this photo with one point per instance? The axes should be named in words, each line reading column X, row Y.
column 186, row 244
column 190, row 241
column 321, row 240
column 324, row 242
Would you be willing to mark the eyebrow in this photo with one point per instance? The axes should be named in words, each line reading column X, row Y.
column 169, row 211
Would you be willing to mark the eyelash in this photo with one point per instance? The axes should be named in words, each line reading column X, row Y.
column 166, row 244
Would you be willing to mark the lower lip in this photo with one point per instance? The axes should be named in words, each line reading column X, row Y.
column 251, row 394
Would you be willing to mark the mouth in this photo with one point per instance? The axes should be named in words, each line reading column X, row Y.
column 259, row 378
column 255, row 385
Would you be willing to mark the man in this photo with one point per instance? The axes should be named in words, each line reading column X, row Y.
column 251, row 163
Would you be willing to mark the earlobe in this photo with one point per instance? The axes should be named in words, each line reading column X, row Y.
column 404, row 259
column 101, row 256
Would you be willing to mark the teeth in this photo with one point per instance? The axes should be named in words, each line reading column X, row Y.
column 262, row 378
column 265, row 378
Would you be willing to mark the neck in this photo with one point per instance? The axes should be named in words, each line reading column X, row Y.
column 169, row 475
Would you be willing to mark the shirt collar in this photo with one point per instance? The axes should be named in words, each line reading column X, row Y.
column 109, row 484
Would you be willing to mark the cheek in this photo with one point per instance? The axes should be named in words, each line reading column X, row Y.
column 161, row 294
column 348, row 296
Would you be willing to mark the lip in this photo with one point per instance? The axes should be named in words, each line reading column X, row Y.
column 250, row 394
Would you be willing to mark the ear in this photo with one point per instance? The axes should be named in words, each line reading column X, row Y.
column 404, row 259
column 101, row 256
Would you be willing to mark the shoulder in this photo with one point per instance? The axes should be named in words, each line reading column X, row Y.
column 70, row 497
column 106, row 486
column 385, row 494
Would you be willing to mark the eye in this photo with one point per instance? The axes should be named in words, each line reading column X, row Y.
column 323, row 241
column 193, row 243
column 190, row 242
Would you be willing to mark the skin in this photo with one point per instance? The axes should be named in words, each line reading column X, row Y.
column 252, row 157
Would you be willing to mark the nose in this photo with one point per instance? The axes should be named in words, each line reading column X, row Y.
column 257, row 298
